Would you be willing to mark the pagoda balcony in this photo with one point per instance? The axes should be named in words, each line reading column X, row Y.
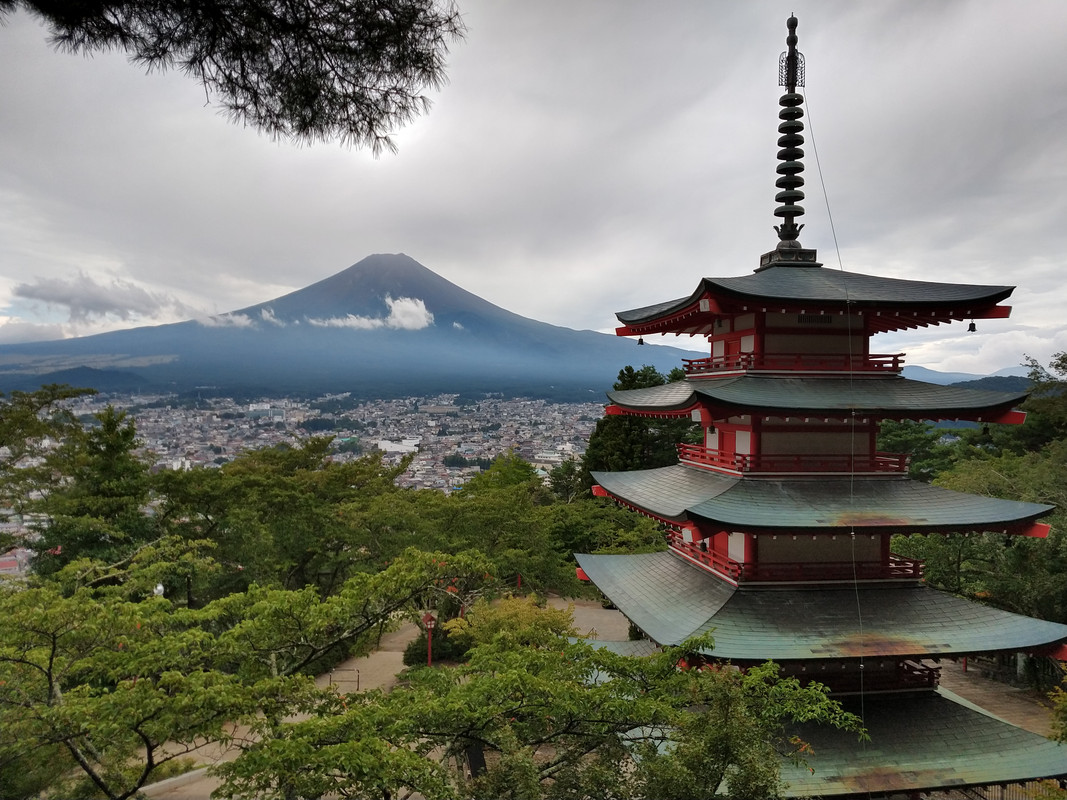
column 906, row 675
column 898, row 567
column 794, row 362
column 792, row 463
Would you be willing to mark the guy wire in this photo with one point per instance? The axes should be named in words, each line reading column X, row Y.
column 851, row 375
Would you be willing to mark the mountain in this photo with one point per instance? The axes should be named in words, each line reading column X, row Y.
column 386, row 326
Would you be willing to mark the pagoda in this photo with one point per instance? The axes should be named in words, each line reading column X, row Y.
column 779, row 523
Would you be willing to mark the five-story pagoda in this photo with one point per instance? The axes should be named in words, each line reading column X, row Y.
column 780, row 522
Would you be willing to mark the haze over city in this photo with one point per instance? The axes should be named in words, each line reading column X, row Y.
column 583, row 159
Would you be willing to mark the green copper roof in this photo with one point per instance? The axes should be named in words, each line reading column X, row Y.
column 658, row 592
column 668, row 491
column 889, row 395
column 671, row 600
column 824, row 288
column 919, row 742
column 862, row 504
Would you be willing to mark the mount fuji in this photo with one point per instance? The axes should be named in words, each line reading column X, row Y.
column 385, row 327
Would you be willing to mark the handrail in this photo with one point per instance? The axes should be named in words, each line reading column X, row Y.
column 898, row 567
column 799, row 362
column 793, row 462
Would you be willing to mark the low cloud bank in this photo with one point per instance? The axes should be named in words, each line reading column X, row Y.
column 405, row 313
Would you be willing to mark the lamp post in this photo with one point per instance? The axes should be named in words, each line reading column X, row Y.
column 429, row 621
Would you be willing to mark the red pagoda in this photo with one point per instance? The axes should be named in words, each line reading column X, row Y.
column 779, row 523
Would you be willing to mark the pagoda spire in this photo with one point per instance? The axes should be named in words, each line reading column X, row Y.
column 790, row 75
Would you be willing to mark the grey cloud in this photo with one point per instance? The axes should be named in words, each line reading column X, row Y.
column 227, row 321
column 17, row 332
column 267, row 315
column 405, row 313
column 86, row 299
column 584, row 158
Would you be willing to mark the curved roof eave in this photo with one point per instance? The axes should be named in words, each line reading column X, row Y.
column 815, row 285
column 829, row 504
column 672, row 600
column 787, row 395
column 915, row 747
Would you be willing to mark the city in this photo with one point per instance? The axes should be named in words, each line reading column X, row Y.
column 212, row 431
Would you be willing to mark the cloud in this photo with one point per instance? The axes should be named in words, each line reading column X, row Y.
column 457, row 326
column 405, row 314
column 267, row 315
column 15, row 331
column 86, row 299
column 644, row 149
column 228, row 321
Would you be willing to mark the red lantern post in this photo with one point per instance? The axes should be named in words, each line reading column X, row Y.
column 429, row 621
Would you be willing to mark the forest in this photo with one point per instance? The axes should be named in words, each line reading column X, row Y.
column 168, row 610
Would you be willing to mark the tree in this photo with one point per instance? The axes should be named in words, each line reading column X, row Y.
column 108, row 688
column 919, row 440
column 32, row 425
column 596, row 525
column 622, row 443
column 520, row 621
column 1047, row 405
column 110, row 681
column 303, row 70
column 507, row 469
column 565, row 481
column 98, row 509
column 550, row 718
column 286, row 517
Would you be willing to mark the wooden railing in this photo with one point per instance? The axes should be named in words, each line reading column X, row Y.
column 898, row 568
column 788, row 462
column 794, row 362
column 906, row 675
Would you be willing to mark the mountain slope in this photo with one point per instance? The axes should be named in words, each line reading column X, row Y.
column 385, row 326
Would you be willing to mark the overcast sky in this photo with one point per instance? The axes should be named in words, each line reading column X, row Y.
column 585, row 157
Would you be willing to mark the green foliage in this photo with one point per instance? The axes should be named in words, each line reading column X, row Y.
column 98, row 510
column 109, row 682
column 506, row 470
column 308, row 71
column 456, row 460
column 1024, row 575
column 281, row 516
column 567, row 481
column 550, row 719
column 445, row 649
column 1046, row 415
column 595, row 525
column 119, row 682
column 31, row 426
column 622, row 443
column 921, row 441
column 349, row 445
column 1046, row 407
column 732, row 746
column 515, row 621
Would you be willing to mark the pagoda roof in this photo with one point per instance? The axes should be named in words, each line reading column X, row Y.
column 819, row 290
column 873, row 504
column 671, row 600
column 787, row 395
column 919, row 742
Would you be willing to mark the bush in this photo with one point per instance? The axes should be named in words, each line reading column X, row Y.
column 444, row 649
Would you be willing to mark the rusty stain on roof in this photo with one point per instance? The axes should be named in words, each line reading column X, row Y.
column 878, row 643
column 885, row 779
